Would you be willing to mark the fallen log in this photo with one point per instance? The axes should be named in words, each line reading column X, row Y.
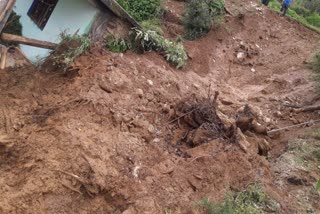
column 28, row 41
column 308, row 108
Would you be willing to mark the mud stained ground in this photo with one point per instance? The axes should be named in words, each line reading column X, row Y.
column 110, row 139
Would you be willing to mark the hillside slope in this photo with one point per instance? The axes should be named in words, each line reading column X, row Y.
column 102, row 141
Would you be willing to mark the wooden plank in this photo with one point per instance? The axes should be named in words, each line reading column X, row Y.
column 28, row 41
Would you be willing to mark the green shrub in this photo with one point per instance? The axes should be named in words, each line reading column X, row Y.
column 13, row 26
column 314, row 19
column 150, row 40
column 301, row 10
column 250, row 201
column 200, row 15
column 70, row 47
column 117, row 45
column 142, row 10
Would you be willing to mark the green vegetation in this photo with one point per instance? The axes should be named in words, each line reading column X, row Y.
column 250, row 201
column 70, row 47
column 150, row 40
column 13, row 26
column 152, row 24
column 317, row 187
column 142, row 10
column 117, row 45
column 315, row 65
column 300, row 14
column 200, row 15
column 311, row 5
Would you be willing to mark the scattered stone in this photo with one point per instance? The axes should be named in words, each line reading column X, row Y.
column 258, row 128
column 273, row 99
column 226, row 101
column 151, row 129
column 150, row 82
column 267, row 119
column 278, row 114
column 105, row 88
column 294, row 120
column 264, row 147
column 149, row 97
column 156, row 140
column 165, row 108
column 243, row 142
column 253, row 70
column 139, row 92
column 196, row 85
column 240, row 56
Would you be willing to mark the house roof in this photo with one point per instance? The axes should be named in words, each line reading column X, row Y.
column 6, row 7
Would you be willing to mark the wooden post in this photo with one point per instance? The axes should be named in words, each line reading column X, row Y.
column 3, row 57
column 28, row 41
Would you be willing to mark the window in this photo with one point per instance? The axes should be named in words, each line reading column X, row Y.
column 40, row 11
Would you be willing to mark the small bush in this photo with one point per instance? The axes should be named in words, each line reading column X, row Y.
column 13, row 26
column 200, row 15
column 250, row 201
column 150, row 40
column 118, row 45
column 70, row 47
column 142, row 10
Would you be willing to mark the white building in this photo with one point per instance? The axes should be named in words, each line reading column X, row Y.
column 46, row 19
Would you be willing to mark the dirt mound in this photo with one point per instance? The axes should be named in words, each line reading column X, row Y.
column 126, row 134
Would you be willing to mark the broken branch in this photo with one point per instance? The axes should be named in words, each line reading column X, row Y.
column 293, row 126
column 308, row 108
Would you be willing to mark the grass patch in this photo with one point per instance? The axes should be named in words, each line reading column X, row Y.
column 302, row 15
column 201, row 15
column 250, row 201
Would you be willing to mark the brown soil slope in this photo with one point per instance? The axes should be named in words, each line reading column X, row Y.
column 101, row 142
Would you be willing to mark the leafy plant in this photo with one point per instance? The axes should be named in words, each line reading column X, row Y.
column 12, row 26
column 118, row 45
column 70, row 47
column 142, row 10
column 200, row 15
column 151, row 40
column 250, row 201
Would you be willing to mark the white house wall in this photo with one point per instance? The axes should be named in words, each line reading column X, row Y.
column 68, row 15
